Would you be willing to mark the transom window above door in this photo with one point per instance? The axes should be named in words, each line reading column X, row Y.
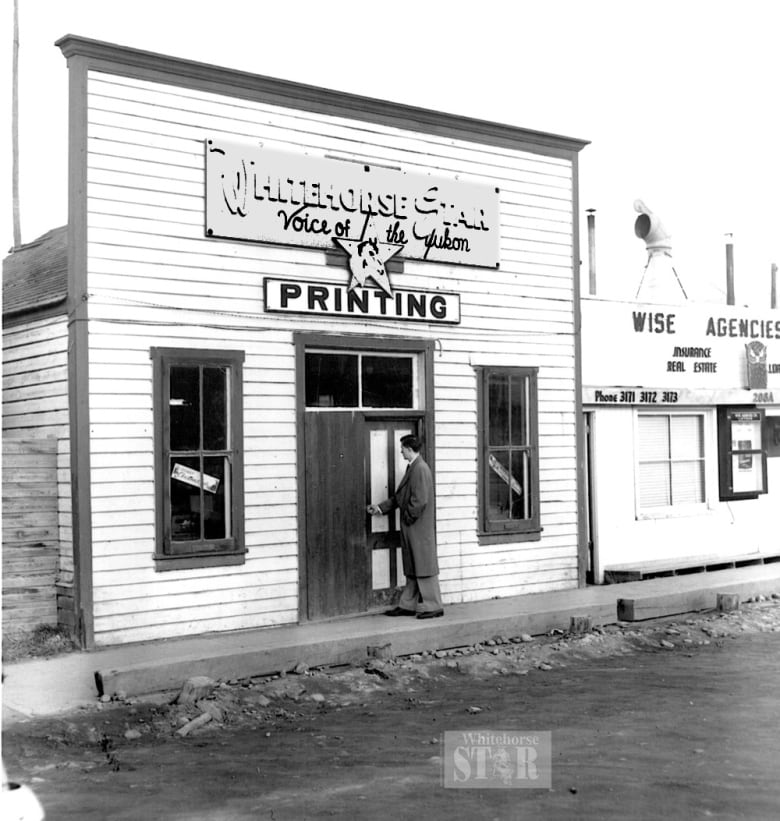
column 341, row 379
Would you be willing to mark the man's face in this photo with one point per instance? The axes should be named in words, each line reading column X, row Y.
column 407, row 453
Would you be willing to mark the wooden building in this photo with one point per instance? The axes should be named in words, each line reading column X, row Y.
column 37, row 547
column 682, row 403
column 268, row 284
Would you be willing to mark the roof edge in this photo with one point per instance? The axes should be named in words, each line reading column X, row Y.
column 31, row 310
column 126, row 60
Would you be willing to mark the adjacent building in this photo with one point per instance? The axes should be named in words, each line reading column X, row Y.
column 682, row 416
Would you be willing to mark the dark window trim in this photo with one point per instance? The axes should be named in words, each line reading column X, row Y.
column 199, row 560
column 219, row 552
column 726, row 452
column 526, row 530
column 503, row 538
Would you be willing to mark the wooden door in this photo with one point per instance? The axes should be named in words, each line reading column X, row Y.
column 337, row 561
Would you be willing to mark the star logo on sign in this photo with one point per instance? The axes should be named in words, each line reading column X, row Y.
column 367, row 257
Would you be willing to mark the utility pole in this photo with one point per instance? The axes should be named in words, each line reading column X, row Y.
column 729, row 270
column 15, row 131
column 591, row 212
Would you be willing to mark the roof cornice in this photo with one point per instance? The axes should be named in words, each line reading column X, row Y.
column 131, row 62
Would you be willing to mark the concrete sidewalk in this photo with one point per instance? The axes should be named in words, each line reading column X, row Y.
column 55, row 686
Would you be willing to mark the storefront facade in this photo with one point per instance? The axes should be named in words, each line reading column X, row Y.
column 682, row 407
column 270, row 284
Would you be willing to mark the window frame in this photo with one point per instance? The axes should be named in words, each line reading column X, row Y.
column 688, row 508
column 216, row 552
column 416, row 357
column 726, row 452
column 525, row 529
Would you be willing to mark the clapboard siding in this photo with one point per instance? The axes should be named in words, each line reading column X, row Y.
column 35, row 408
column 190, row 621
column 155, row 280
column 30, row 533
column 176, row 106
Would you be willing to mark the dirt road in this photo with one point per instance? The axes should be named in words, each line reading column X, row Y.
column 677, row 719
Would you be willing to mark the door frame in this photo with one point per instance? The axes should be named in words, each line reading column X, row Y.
column 303, row 340
column 593, row 571
column 387, row 420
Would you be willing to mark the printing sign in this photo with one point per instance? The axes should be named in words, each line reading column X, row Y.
column 327, row 299
column 263, row 195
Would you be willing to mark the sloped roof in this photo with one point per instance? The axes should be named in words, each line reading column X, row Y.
column 35, row 275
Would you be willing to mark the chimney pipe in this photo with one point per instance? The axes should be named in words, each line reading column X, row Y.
column 729, row 271
column 592, row 250
column 773, row 301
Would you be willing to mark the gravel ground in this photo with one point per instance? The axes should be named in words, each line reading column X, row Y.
column 311, row 719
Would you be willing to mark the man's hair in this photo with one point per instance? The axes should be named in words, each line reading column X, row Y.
column 412, row 442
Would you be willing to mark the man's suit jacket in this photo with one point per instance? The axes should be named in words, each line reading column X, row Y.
column 415, row 499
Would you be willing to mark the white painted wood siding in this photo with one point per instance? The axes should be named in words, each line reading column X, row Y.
column 35, row 379
column 154, row 279
column 723, row 529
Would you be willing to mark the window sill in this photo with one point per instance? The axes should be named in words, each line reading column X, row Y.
column 681, row 511
column 195, row 560
column 500, row 538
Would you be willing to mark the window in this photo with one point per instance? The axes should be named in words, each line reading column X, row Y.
column 198, row 457
column 508, row 454
column 361, row 380
column 670, row 454
column 743, row 443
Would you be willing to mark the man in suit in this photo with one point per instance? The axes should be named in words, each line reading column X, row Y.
column 421, row 596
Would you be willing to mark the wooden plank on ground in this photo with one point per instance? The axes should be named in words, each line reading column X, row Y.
column 637, row 571
column 669, row 604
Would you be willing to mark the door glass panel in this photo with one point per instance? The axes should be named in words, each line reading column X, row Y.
column 380, row 489
column 400, row 577
column 747, row 473
column 400, row 465
column 387, row 382
column 185, row 408
column 331, row 380
column 380, row 569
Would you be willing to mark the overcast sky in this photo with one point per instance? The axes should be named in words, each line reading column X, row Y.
column 679, row 99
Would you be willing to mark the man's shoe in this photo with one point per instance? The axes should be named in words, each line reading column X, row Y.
column 399, row 611
column 430, row 614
